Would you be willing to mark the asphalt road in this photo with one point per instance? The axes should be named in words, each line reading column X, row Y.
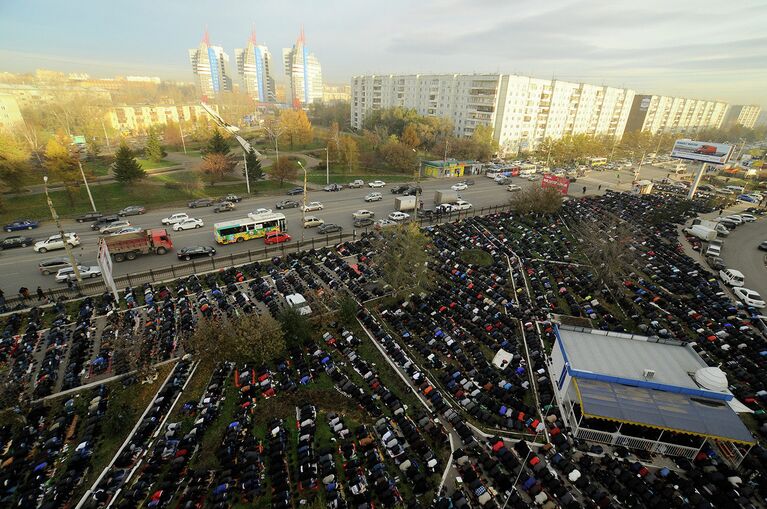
column 740, row 252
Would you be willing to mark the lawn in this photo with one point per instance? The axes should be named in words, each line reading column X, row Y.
column 151, row 165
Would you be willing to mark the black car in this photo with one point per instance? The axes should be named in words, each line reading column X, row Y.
column 295, row 191
column 52, row 265
column 363, row 222
column 731, row 225
column 716, row 263
column 104, row 220
column 413, row 191
column 230, row 197
column 16, row 241
column 763, row 246
column 90, row 216
column 329, row 228
column 223, row 206
column 287, row 204
column 200, row 202
column 399, row 189
column 755, row 211
column 187, row 253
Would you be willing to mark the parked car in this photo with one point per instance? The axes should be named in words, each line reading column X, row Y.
column 188, row 224
column 104, row 221
column 86, row 272
column 16, row 241
column 461, row 205
column 383, row 223
column 398, row 216
column 312, row 221
column 175, row 218
column 224, row 206
column 230, row 198
column 747, row 198
column 200, row 202
column 187, row 253
column 312, row 206
column 356, row 184
column 715, row 262
column 399, row 189
column 21, row 224
column 332, row 187
column 359, row 214
column 460, row 186
column 747, row 218
column 90, row 216
column 295, row 191
column 329, row 228
column 52, row 265
column 735, row 218
column 287, row 204
column 113, row 227
column 363, row 222
column 373, row 197
column 276, row 238
column 732, row 277
column 750, row 298
column 132, row 210
column 377, row 183
column 56, row 242
column 513, row 188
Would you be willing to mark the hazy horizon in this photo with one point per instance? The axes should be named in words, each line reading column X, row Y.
column 683, row 48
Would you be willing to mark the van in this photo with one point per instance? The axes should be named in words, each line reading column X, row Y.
column 732, row 277
column 714, row 248
column 701, row 232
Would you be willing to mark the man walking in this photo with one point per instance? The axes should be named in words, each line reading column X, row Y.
column 40, row 294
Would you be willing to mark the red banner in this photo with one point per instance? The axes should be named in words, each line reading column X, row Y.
column 551, row 181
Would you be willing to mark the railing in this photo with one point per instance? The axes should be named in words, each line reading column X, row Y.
column 653, row 446
column 169, row 273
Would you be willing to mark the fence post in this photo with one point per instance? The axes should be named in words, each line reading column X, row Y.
column 213, row 261
column 194, row 267
column 173, row 271
column 231, row 258
column 250, row 257
column 151, row 275
column 265, row 253
column 130, row 283
column 282, row 245
column 312, row 242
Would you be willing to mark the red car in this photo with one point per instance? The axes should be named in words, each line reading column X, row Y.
column 276, row 238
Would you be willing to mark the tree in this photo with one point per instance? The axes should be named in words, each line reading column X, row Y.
column 125, row 167
column 217, row 144
column 296, row 327
column 334, row 142
column 328, row 113
column 485, row 145
column 153, row 150
column 608, row 249
column 14, row 163
column 410, row 136
column 403, row 259
column 255, row 171
column 398, row 155
column 347, row 308
column 536, row 200
column 283, row 169
column 62, row 166
column 215, row 166
column 250, row 338
column 296, row 127
column 350, row 152
column 171, row 134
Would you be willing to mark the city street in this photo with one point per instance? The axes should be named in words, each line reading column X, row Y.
column 740, row 252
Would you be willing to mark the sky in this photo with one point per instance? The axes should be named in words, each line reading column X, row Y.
column 690, row 48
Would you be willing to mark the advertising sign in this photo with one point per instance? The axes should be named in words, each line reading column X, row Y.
column 551, row 181
column 104, row 261
column 703, row 151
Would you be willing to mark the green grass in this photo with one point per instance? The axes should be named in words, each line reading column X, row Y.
column 477, row 257
column 151, row 165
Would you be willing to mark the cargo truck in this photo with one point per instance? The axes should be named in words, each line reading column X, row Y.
column 442, row 197
column 404, row 203
column 128, row 246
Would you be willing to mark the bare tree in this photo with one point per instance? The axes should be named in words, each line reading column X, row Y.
column 536, row 200
column 608, row 248
column 403, row 259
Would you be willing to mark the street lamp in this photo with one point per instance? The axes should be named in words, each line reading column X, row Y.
column 327, row 166
column 275, row 134
column 417, row 186
column 67, row 247
column 303, row 209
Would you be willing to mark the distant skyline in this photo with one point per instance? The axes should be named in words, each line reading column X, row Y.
column 700, row 49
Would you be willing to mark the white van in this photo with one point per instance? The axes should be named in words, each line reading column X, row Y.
column 735, row 189
column 732, row 277
column 701, row 232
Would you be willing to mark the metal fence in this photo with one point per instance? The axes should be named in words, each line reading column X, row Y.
column 183, row 269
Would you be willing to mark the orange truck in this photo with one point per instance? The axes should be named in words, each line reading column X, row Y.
column 708, row 150
column 128, row 246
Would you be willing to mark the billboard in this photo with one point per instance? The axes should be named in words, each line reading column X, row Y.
column 104, row 261
column 703, row 151
column 551, row 181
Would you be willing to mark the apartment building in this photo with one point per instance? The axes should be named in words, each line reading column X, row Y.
column 254, row 64
column 10, row 114
column 304, row 73
column 522, row 111
column 210, row 64
column 665, row 114
column 138, row 119
column 745, row 115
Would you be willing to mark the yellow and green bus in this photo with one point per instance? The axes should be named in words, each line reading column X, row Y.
column 252, row 227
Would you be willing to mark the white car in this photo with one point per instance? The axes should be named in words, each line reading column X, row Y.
column 399, row 216
column 260, row 211
column 175, row 218
column 377, row 183
column 461, row 205
column 373, row 197
column 383, row 223
column 86, row 272
column 114, row 226
column 732, row 277
column 513, row 187
column 362, row 213
column 188, row 224
column 735, row 219
column 311, row 206
column 54, row 242
column 747, row 218
column 749, row 297
column 127, row 229
column 460, row 186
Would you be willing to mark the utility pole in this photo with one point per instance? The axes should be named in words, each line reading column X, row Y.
column 67, row 247
column 303, row 209
column 247, row 178
column 417, row 187
column 327, row 166
column 87, row 187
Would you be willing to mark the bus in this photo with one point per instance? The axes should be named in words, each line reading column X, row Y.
column 251, row 227
column 597, row 161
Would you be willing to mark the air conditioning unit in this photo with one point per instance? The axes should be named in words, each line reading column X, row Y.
column 648, row 374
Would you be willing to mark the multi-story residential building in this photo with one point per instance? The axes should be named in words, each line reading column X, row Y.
column 304, row 73
column 745, row 115
column 210, row 64
column 138, row 119
column 332, row 93
column 522, row 111
column 664, row 114
column 35, row 95
column 10, row 115
column 254, row 63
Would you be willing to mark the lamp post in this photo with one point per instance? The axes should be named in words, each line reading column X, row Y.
column 181, row 130
column 247, row 177
column 303, row 209
column 275, row 134
column 67, row 247
column 417, row 186
column 327, row 166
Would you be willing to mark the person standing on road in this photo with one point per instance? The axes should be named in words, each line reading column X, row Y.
column 24, row 293
column 720, row 211
column 599, row 188
column 584, row 189
column 40, row 294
